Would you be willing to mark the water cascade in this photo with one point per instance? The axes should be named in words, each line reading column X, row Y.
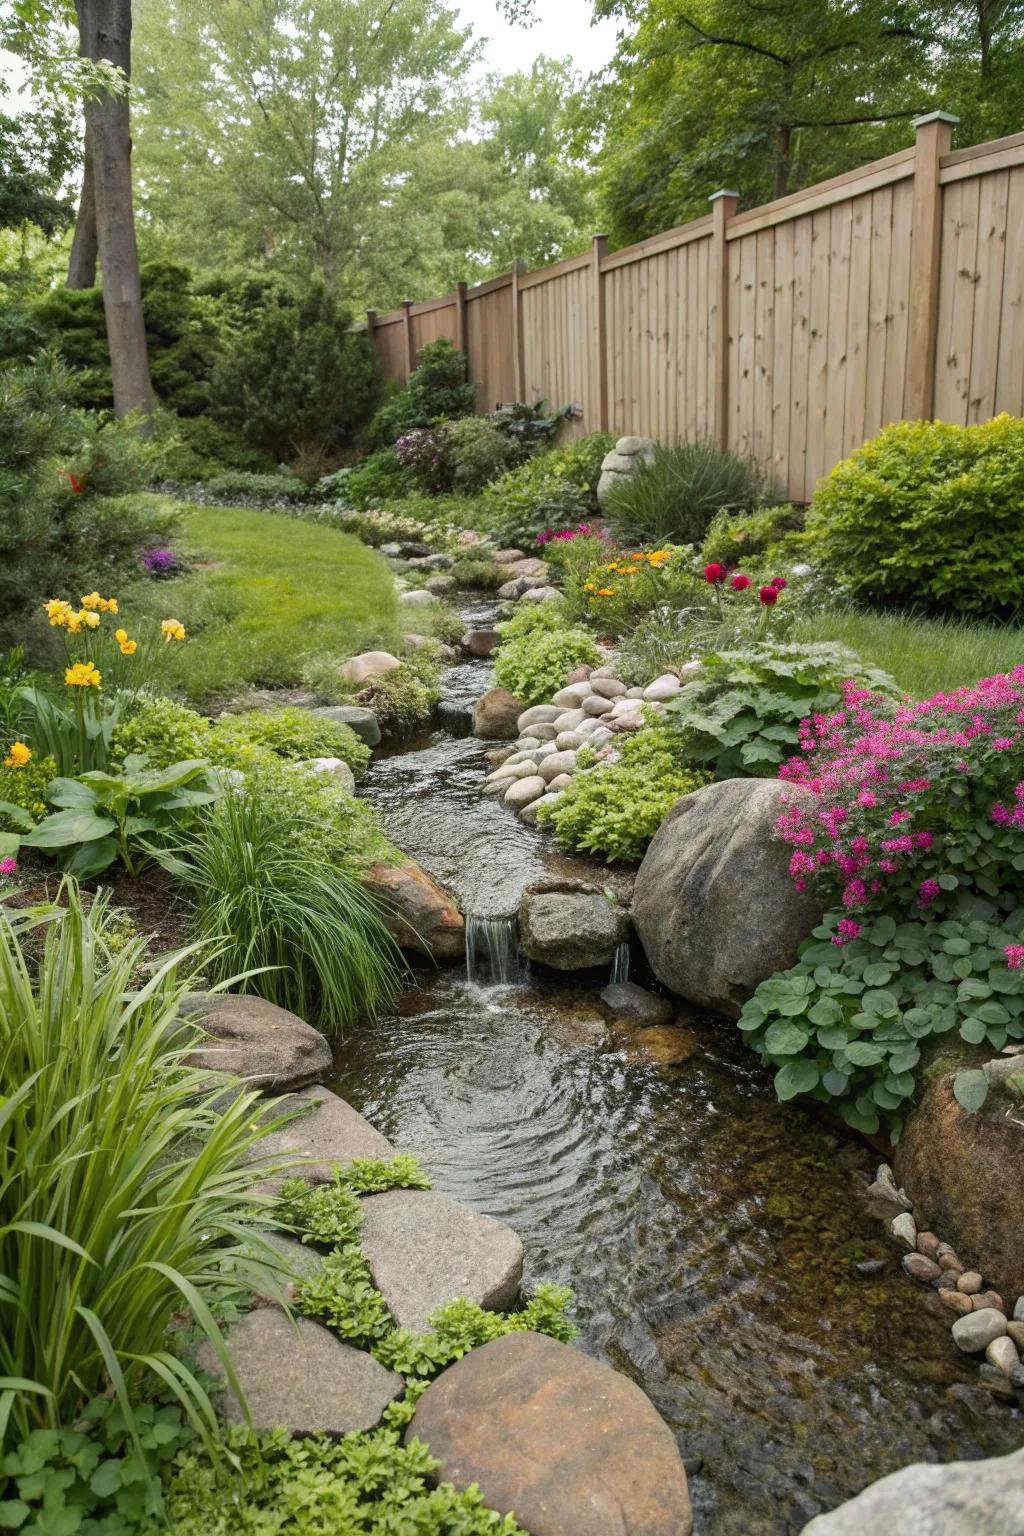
column 620, row 964
column 492, row 951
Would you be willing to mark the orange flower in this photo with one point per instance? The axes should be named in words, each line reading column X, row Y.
column 606, row 591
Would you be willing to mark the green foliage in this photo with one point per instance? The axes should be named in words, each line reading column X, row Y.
column 242, row 485
column 402, row 702
column 379, row 477
column 475, row 452
column 742, row 713
column 293, row 734
column 619, row 595
column 614, row 809
column 847, row 1024
column 25, row 788
column 740, row 538
column 198, row 447
column 160, row 729
column 262, row 883
column 674, row 494
column 556, row 489
column 927, row 514
column 438, row 389
column 538, row 651
column 126, row 1177
column 461, row 1325
column 330, row 1213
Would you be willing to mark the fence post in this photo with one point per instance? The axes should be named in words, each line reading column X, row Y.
column 600, row 330
column 410, row 348
column 934, row 134
column 460, row 317
column 518, row 350
column 723, row 206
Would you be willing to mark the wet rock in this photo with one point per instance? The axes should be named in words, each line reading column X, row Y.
column 982, row 1498
column 334, row 768
column 920, row 1268
column 976, row 1331
column 531, row 813
column 868, row 1267
column 570, row 925
column 904, row 1229
column 266, row 1046
column 956, row 1302
column 495, row 715
column 664, row 1045
column 627, row 1002
column 298, row 1376
column 455, row 718
column 424, row 1249
column 481, row 642
column 369, row 665
column 418, row 912
column 1002, row 1353
column 523, row 792
column 571, row 1446
column 715, row 907
column 321, row 1133
column 970, row 1283
column 361, row 720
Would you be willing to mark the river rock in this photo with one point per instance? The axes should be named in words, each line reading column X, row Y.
column 558, row 762
column 541, row 594
column 495, row 715
column 562, row 781
column 507, row 556
column 530, row 565
column 570, row 925
column 419, row 597
column 970, row 1282
column 570, row 720
column 424, row 1249
column 664, row 687
column 571, row 1446
column 571, row 697
column 266, row 1046
column 921, row 1268
column 714, row 904
column 523, row 792
column 976, row 1331
column 298, row 1376
column 967, row 1172
column 362, row 720
column 1002, row 1353
column 481, row 642
column 963, row 1498
column 364, row 668
column 904, row 1229
column 607, row 687
column 334, row 768
column 418, row 912
column 625, row 1001
column 664, row 1045
column 596, row 705
column 537, row 714
column 321, row 1134
column 441, row 585
column 543, row 731
column 530, row 814
column 987, row 1299
column 955, row 1301
column 631, row 721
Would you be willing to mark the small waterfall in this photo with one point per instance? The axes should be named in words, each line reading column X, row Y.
column 620, row 964
column 492, row 951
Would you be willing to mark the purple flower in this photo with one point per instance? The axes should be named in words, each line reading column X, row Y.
column 158, row 561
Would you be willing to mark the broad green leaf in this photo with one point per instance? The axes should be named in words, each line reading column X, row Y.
column 794, row 1078
column 66, row 828
column 971, row 1089
column 783, row 1039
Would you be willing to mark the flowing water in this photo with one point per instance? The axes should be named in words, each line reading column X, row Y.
column 710, row 1234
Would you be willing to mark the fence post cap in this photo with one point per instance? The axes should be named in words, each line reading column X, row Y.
column 933, row 117
column 408, row 303
column 722, row 192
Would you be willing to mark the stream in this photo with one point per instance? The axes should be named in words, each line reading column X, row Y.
column 710, row 1234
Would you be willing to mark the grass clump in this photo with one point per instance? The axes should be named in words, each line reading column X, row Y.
column 926, row 656
column 673, row 495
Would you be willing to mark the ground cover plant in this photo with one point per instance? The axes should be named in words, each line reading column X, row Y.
column 555, row 489
column 539, row 649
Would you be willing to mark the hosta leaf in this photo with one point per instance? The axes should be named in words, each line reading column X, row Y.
column 971, row 1089
column 783, row 1039
column 796, row 1077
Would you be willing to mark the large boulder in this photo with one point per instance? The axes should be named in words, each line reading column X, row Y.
column 569, row 1445
column 714, row 904
column 570, row 925
column 364, row 668
column 965, row 1175
column 266, row 1046
column 624, row 460
column 495, row 715
column 418, row 912
column 296, row 1375
column 963, row 1498
column 362, row 720
column 424, row 1249
column 322, row 1134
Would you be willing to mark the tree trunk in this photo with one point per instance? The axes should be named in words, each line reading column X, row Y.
column 783, row 146
column 106, row 25
column 82, row 263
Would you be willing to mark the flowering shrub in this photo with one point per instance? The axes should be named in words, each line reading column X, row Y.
column 538, row 651
column 742, row 714
column 422, row 453
column 162, row 563
column 552, row 490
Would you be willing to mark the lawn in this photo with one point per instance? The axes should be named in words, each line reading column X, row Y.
column 926, row 656
column 270, row 593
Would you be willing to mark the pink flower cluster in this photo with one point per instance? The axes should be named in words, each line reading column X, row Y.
column 581, row 531
column 8, row 866
column 890, row 785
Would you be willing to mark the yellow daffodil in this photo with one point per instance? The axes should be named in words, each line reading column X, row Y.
column 18, row 756
column 92, row 600
column 129, row 647
column 120, row 635
column 90, row 620
column 82, row 674
column 173, row 629
column 57, row 611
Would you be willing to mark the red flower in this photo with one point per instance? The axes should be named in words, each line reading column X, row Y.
column 714, row 573
column 779, row 583
column 740, row 583
column 76, row 484
column 769, row 596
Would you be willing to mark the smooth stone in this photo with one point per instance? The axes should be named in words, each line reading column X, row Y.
column 557, row 763
column 1015, row 1330
column 321, row 1134
column 419, row 597
column 587, row 726
column 580, row 673
column 1003, row 1354
column 920, row 1268
column 607, row 687
column 570, row 925
column 369, row 665
column 562, row 781
column 987, row 1299
column 960, row 1498
column 508, row 556
column 568, row 741
column 664, row 1045
column 664, row 687
column 601, row 737
column 362, row 720
column 522, row 770
column 628, row 722
column 951, row 1263
column 334, row 768
column 419, row 913
column 523, row 791
column 630, row 445
column 529, row 565
column 545, row 750
column 530, row 814
column 425, row 1249
column 432, row 562
column 573, row 1447
column 904, row 1229
column 496, row 716
column 541, row 594
column 626, row 1001
column 299, row 1261
column 528, row 744
column 569, row 719
column 634, row 693
column 544, row 731
column 266, row 1046
column 571, row 697
column 1018, row 1309
column 928, row 1244
column 595, row 705
column 481, row 642
column 440, row 586
column 538, row 714
column 970, row 1283
column 956, row 1301
column 296, row 1375
column 976, row 1331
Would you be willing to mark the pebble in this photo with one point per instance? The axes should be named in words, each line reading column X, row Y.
column 1002, row 1352
column 976, row 1331
column 928, row 1244
column 987, row 1299
column 970, row 1283
column 956, row 1302
column 947, row 1282
column 904, row 1229
column 1015, row 1330
column 870, row 1266
column 1018, row 1310
column 950, row 1262
column 920, row 1268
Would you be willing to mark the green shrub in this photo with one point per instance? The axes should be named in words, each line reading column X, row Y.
column 538, row 651
column 294, row 734
column 438, row 389
column 24, row 786
column 161, row 730
column 380, row 477
column 481, row 574
column 741, row 715
column 614, row 809
column 740, row 538
column 927, row 515
column 402, row 702
column 236, row 484
column 261, row 882
column 672, row 497
column 476, row 452
column 622, row 593
column 556, row 489
column 198, row 447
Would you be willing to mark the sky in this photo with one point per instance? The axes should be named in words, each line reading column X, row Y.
column 561, row 31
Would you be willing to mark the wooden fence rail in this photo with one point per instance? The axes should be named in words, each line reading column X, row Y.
column 792, row 332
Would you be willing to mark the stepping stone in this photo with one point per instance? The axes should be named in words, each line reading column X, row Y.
column 363, row 721
column 298, row 1376
column 266, row 1046
column 424, row 1249
column 569, row 1445
column 329, row 1133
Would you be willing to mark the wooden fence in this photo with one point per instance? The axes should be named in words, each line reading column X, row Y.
column 793, row 331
